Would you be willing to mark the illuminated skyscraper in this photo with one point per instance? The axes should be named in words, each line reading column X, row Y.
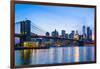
column 76, row 36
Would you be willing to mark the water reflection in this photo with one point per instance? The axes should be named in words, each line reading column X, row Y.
column 55, row 55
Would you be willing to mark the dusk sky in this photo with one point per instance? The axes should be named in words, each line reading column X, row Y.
column 50, row 18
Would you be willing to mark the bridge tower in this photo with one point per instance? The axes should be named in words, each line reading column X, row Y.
column 25, row 31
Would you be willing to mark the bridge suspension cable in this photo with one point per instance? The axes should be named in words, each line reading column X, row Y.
column 34, row 28
column 37, row 28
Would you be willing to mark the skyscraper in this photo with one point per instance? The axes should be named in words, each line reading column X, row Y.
column 47, row 34
column 76, row 36
column 84, row 33
column 83, row 29
column 63, row 32
column 55, row 33
column 71, row 35
column 89, row 34
column 66, row 36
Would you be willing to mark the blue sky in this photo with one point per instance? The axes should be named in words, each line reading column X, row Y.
column 50, row 18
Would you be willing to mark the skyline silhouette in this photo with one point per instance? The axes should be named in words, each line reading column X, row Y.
column 55, row 17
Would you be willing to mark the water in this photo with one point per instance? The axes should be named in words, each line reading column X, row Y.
column 55, row 55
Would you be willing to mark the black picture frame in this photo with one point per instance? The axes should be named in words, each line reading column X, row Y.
column 12, row 57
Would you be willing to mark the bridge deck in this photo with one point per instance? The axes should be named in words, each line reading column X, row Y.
column 39, row 36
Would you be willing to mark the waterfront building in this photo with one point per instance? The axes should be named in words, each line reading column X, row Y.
column 46, row 39
column 84, row 33
column 63, row 32
column 84, row 30
column 47, row 34
column 30, row 44
column 80, row 37
column 71, row 35
column 66, row 36
column 76, row 36
column 89, row 34
column 55, row 33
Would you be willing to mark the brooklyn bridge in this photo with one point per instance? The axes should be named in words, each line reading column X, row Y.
column 29, row 39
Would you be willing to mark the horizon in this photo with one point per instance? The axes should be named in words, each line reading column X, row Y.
column 50, row 18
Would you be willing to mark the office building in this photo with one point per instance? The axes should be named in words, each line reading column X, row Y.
column 55, row 33
column 63, row 32
column 84, row 33
column 47, row 34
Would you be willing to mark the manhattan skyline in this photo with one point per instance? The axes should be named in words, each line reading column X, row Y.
column 55, row 17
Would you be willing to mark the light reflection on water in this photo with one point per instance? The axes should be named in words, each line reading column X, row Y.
column 55, row 55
